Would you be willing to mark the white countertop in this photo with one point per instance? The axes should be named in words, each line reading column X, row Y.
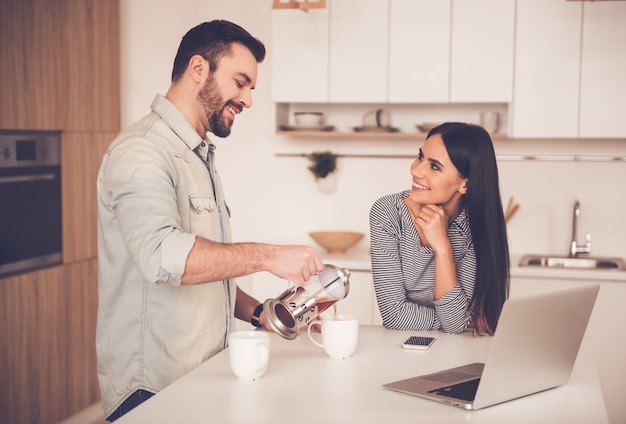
column 303, row 385
column 358, row 259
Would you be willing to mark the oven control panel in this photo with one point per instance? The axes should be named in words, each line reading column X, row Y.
column 29, row 148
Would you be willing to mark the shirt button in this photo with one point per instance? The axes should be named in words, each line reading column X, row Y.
column 203, row 144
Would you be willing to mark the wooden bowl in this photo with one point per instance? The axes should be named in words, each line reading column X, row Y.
column 336, row 241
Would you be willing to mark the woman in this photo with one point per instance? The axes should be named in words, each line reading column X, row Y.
column 439, row 250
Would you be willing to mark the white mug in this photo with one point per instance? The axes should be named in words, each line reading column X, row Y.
column 339, row 335
column 490, row 121
column 249, row 353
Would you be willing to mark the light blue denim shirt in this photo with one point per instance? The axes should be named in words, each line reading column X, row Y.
column 157, row 191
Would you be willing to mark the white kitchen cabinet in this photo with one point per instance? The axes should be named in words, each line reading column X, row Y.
column 358, row 51
column 394, row 51
column 603, row 70
column 457, row 51
column 605, row 330
column 337, row 54
column 481, row 51
column 419, row 51
column 557, row 66
column 547, row 69
column 299, row 55
column 570, row 63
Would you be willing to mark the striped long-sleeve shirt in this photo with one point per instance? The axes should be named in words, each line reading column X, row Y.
column 404, row 270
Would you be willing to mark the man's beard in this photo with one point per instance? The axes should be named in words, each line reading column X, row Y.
column 212, row 102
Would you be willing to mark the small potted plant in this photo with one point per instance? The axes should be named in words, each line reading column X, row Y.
column 322, row 165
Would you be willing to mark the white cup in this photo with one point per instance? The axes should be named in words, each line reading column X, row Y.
column 339, row 335
column 376, row 118
column 490, row 121
column 249, row 353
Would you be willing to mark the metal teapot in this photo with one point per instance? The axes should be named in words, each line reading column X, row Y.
column 293, row 309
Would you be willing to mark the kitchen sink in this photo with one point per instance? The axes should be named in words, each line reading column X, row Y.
column 583, row 262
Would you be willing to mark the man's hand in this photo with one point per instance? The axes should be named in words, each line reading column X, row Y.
column 295, row 263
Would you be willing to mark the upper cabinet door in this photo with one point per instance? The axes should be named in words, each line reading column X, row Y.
column 358, row 50
column 481, row 68
column 547, row 69
column 603, row 70
column 419, row 51
column 299, row 55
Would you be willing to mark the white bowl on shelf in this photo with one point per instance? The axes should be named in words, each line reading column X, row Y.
column 309, row 119
column 426, row 126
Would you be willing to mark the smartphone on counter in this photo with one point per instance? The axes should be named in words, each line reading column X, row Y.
column 418, row 342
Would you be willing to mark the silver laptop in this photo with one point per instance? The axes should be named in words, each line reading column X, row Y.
column 534, row 349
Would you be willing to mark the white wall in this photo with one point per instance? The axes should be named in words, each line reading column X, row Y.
column 274, row 199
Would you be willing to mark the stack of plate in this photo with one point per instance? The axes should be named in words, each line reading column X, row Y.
column 374, row 128
column 320, row 127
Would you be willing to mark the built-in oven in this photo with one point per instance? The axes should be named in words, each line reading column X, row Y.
column 30, row 192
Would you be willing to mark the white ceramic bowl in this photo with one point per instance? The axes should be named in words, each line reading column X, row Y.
column 309, row 119
column 426, row 126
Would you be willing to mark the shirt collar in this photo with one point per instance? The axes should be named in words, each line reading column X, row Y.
column 177, row 122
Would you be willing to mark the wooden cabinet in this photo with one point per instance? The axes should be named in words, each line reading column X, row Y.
column 82, row 154
column 60, row 70
column 603, row 70
column 60, row 65
column 47, row 330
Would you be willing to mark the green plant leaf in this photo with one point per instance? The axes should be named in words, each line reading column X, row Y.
column 322, row 163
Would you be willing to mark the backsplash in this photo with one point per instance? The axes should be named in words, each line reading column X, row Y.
column 283, row 204
column 547, row 191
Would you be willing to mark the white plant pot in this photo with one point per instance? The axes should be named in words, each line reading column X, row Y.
column 327, row 184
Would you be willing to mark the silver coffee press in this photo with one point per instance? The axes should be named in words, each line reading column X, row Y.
column 293, row 309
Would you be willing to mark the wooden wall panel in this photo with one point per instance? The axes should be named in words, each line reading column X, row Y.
column 47, row 323
column 81, row 154
column 60, row 64
column 59, row 69
column 32, row 62
column 81, row 381
column 92, row 65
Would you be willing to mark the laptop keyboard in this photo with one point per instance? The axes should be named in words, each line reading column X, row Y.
column 465, row 390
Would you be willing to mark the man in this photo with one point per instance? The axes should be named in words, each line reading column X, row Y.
column 166, row 263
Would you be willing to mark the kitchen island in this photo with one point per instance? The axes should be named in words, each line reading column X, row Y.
column 303, row 385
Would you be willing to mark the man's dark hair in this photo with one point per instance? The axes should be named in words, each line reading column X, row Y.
column 212, row 40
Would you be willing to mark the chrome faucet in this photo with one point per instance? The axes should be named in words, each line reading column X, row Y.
column 574, row 248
